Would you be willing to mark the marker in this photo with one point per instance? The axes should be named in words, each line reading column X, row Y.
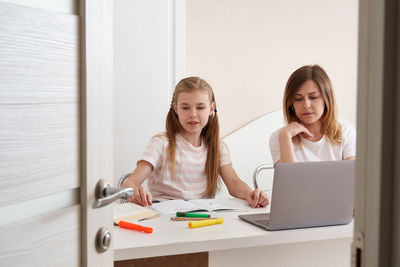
column 205, row 222
column 189, row 214
column 188, row 219
column 136, row 227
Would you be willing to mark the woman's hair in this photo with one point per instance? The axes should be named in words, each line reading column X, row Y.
column 330, row 126
column 210, row 133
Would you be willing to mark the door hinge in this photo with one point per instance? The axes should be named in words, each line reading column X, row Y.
column 357, row 249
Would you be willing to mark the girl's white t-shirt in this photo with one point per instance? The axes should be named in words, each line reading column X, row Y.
column 190, row 181
column 321, row 150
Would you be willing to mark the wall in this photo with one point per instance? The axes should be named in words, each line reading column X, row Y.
column 247, row 50
column 148, row 59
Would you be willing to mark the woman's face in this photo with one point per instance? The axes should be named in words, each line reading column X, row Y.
column 309, row 104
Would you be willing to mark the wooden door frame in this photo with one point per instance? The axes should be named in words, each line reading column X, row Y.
column 376, row 239
column 96, row 54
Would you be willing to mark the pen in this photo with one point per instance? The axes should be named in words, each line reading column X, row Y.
column 190, row 214
column 188, row 219
column 136, row 227
column 205, row 222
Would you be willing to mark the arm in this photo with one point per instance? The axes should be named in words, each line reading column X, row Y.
column 287, row 151
column 140, row 194
column 240, row 189
column 285, row 140
column 349, row 138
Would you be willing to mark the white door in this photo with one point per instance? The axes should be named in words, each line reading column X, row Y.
column 55, row 130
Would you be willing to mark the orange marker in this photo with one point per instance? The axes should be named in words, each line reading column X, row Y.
column 136, row 227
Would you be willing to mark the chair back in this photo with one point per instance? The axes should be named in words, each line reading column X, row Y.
column 121, row 180
column 249, row 148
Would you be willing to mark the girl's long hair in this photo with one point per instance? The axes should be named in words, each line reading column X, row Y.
column 330, row 126
column 210, row 133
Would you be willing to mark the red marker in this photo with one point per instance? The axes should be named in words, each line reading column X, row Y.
column 136, row 227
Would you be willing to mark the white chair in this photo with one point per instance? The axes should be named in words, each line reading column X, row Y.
column 121, row 180
column 249, row 150
column 257, row 172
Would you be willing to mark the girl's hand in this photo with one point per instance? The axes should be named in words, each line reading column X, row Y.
column 293, row 129
column 141, row 196
column 257, row 199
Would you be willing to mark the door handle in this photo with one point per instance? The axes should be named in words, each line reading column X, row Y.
column 105, row 194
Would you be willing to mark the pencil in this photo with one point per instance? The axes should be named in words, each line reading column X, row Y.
column 188, row 219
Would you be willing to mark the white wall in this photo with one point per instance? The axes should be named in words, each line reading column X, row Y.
column 247, row 50
column 148, row 59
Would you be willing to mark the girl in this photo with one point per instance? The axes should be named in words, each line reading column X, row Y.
column 185, row 161
column 313, row 132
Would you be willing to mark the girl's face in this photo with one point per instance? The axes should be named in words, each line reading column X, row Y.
column 193, row 110
column 309, row 104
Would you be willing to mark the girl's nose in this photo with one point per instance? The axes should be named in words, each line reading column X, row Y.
column 193, row 113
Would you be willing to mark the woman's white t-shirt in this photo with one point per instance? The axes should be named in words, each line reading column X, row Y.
column 190, row 180
column 321, row 150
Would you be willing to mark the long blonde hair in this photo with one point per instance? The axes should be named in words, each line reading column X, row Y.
column 210, row 133
column 330, row 126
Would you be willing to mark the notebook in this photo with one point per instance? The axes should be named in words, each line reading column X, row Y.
column 207, row 205
column 132, row 212
column 309, row 194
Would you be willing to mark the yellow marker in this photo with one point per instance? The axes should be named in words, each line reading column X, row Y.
column 205, row 222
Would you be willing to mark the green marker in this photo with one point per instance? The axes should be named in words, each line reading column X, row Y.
column 190, row 214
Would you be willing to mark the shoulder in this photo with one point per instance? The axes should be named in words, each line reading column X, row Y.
column 276, row 132
column 275, row 135
column 160, row 139
column 160, row 136
column 224, row 155
column 348, row 129
column 223, row 146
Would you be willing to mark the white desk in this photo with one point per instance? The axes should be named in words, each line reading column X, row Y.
column 237, row 243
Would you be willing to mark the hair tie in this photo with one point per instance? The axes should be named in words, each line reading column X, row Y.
column 215, row 110
column 171, row 108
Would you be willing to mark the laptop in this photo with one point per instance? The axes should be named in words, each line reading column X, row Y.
column 309, row 194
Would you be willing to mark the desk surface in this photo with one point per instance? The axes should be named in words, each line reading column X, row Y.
column 174, row 237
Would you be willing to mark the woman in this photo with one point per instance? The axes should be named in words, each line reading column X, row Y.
column 313, row 132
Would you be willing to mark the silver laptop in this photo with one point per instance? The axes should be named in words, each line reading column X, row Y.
column 309, row 194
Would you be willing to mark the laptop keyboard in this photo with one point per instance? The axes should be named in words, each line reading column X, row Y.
column 264, row 221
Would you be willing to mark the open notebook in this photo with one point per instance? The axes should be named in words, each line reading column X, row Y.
column 132, row 212
column 179, row 205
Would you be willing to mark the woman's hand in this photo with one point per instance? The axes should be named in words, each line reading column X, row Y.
column 141, row 196
column 293, row 129
column 285, row 140
column 257, row 199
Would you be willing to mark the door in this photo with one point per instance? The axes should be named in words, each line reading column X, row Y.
column 96, row 124
column 377, row 213
column 55, row 130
